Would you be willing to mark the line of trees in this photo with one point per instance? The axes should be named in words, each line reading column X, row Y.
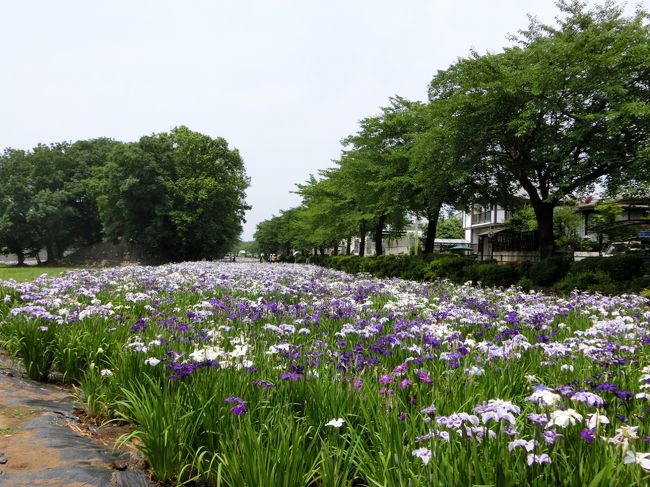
column 179, row 195
column 564, row 109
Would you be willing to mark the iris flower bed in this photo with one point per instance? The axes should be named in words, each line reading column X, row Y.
column 283, row 375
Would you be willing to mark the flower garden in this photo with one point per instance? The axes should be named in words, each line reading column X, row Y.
column 294, row 375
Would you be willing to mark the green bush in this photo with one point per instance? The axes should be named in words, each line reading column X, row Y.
column 622, row 267
column 548, row 271
column 586, row 281
column 493, row 274
column 450, row 267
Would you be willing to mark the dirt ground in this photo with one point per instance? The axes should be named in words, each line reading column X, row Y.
column 45, row 441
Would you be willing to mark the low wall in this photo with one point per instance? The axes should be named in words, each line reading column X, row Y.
column 108, row 254
column 506, row 256
column 583, row 255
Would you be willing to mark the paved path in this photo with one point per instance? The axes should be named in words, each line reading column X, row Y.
column 42, row 442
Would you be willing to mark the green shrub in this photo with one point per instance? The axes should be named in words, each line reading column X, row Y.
column 493, row 274
column 548, row 271
column 622, row 267
column 586, row 281
column 450, row 267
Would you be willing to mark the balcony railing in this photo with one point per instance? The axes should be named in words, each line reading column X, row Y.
column 482, row 217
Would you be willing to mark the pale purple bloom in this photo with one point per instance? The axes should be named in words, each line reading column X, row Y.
column 550, row 436
column 429, row 410
column 422, row 453
column 497, row 410
column 539, row 459
column 527, row 445
column 538, row 419
column 588, row 397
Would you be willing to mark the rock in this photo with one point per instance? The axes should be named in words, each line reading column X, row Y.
column 3, row 458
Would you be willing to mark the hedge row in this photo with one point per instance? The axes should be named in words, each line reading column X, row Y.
column 610, row 275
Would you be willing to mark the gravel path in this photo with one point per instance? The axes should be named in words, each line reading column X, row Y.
column 43, row 442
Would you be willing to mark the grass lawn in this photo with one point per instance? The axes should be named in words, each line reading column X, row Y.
column 29, row 273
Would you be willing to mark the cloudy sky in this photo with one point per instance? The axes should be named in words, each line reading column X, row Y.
column 282, row 80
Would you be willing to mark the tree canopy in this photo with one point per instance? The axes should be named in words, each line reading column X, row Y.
column 563, row 110
column 179, row 195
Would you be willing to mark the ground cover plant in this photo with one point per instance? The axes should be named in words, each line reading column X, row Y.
column 29, row 273
column 260, row 374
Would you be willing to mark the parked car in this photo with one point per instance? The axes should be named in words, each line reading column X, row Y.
column 640, row 246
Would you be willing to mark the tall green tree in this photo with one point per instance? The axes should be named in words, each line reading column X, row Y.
column 376, row 169
column 330, row 213
column 450, row 227
column 566, row 108
column 181, row 195
column 17, row 234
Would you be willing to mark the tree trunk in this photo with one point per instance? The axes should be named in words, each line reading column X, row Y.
column 20, row 255
column 335, row 249
column 348, row 246
column 432, row 224
column 544, row 217
column 321, row 250
column 362, row 235
column 379, row 230
column 49, row 248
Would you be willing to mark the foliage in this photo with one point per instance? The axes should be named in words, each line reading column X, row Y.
column 537, row 118
column 493, row 274
column 549, row 270
column 621, row 267
column 178, row 194
column 450, row 227
column 181, row 194
column 590, row 281
column 236, row 374
column 17, row 235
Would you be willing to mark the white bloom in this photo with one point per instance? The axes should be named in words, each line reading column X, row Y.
column 641, row 459
column 545, row 397
column 106, row 373
column 623, row 436
column 596, row 419
column 239, row 351
column 568, row 367
column 564, row 418
column 153, row 361
column 205, row 354
column 423, row 453
column 474, row 370
column 336, row 423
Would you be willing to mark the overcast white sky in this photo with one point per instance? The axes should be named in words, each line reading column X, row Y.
column 282, row 80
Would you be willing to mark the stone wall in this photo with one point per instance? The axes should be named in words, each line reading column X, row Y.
column 109, row 254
